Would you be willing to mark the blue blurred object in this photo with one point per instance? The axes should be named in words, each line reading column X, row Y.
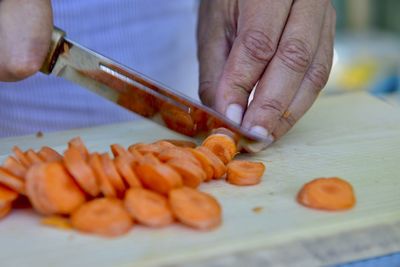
column 391, row 260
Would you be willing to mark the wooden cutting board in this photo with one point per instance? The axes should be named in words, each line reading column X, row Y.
column 352, row 136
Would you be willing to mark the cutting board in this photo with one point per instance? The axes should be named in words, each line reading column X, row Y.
column 352, row 136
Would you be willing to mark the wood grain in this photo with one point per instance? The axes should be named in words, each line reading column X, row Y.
column 352, row 136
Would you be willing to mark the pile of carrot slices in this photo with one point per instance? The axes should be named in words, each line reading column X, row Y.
column 106, row 194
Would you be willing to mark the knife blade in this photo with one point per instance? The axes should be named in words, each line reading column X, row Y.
column 138, row 93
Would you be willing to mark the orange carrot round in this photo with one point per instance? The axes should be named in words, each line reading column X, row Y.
column 33, row 157
column 177, row 153
column 112, row 174
column 77, row 143
column 125, row 170
column 217, row 164
column 5, row 209
column 243, row 172
column 7, row 197
column 147, row 207
column 102, row 216
column 52, row 190
column 192, row 175
column 181, row 143
column 223, row 146
column 49, row 155
column 14, row 167
column 118, row 150
column 195, row 209
column 81, row 171
column 21, row 156
column 205, row 162
column 11, row 181
column 327, row 194
column 105, row 184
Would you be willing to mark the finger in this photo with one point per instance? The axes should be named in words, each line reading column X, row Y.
column 25, row 33
column 213, row 47
column 260, row 24
column 283, row 76
column 314, row 80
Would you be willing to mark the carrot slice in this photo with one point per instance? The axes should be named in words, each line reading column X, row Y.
column 149, row 159
column 118, row 150
column 124, row 168
column 5, row 209
column 52, row 190
column 192, row 175
column 154, row 148
column 178, row 153
column 102, row 216
column 49, row 155
column 14, row 167
column 327, row 194
column 7, row 195
column 105, row 184
column 194, row 208
column 181, row 143
column 57, row 221
column 217, row 164
column 81, row 171
column 12, row 181
column 221, row 145
column 21, row 156
column 33, row 157
column 178, row 120
column 148, row 208
column 243, row 172
column 112, row 174
column 78, row 144
column 205, row 162
column 158, row 177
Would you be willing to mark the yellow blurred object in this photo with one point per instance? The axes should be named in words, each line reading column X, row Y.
column 357, row 76
column 57, row 222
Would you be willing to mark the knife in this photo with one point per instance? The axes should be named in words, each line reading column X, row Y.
column 138, row 93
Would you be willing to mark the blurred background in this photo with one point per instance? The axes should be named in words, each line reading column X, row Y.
column 367, row 48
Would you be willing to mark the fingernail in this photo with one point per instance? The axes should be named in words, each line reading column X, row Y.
column 262, row 132
column 234, row 112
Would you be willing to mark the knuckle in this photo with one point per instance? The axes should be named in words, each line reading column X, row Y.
column 318, row 75
column 258, row 45
column 289, row 119
column 24, row 66
column 295, row 54
column 273, row 105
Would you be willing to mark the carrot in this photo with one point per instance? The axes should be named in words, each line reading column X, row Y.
column 78, row 144
column 112, row 174
column 178, row 119
column 243, row 172
column 102, row 216
column 57, row 221
column 33, row 157
column 124, row 168
column 332, row 194
column 148, row 208
column 12, row 181
column 105, row 184
column 7, row 195
column 154, row 148
column 178, row 153
column 205, row 162
column 81, row 171
column 217, row 164
column 52, row 190
column 21, row 156
column 160, row 177
column 181, row 143
column 14, row 167
column 149, row 159
column 192, row 174
column 49, row 155
column 5, row 209
column 118, row 150
column 221, row 145
column 195, row 209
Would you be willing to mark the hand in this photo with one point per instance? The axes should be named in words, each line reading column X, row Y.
column 25, row 34
column 283, row 48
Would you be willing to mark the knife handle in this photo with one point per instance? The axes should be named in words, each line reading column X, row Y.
column 57, row 38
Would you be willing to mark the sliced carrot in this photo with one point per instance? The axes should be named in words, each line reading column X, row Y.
column 52, row 190
column 178, row 153
column 21, row 156
column 192, row 174
column 78, row 144
column 33, row 157
column 149, row 159
column 7, row 195
column 14, row 167
column 12, row 181
column 105, row 184
column 221, row 145
column 5, row 209
column 154, row 148
column 158, row 177
column 235, row 137
column 125, row 169
column 194, row 208
column 112, row 174
column 243, row 172
column 217, row 164
column 205, row 162
column 118, row 150
column 81, row 171
column 148, row 208
column 57, row 221
column 102, row 216
column 177, row 119
column 327, row 194
column 181, row 143
column 49, row 155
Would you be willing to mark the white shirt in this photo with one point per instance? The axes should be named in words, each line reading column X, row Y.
column 154, row 37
